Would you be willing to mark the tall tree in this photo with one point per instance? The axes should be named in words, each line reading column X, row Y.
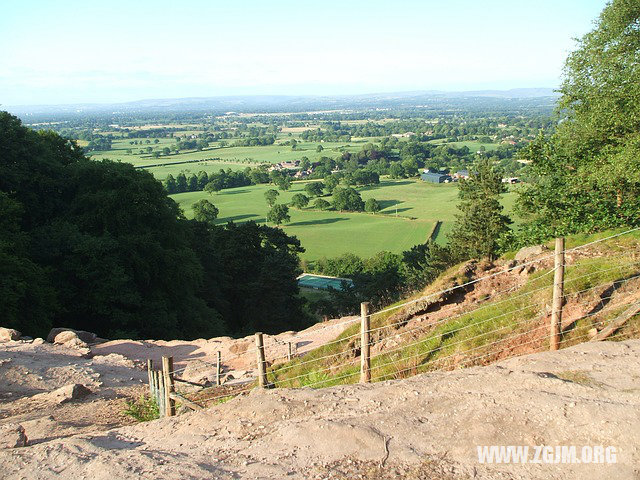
column 586, row 177
column 271, row 196
column 205, row 211
column 181, row 183
column 279, row 214
column 480, row 226
column 170, row 185
column 299, row 200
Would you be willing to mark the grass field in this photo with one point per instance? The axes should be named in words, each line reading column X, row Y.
column 329, row 233
column 473, row 145
column 229, row 157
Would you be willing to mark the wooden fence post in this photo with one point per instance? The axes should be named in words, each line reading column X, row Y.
column 169, row 386
column 289, row 353
column 218, row 369
column 159, row 392
column 150, row 374
column 558, row 295
column 365, row 343
column 262, row 363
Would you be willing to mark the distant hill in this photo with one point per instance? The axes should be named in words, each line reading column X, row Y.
column 288, row 103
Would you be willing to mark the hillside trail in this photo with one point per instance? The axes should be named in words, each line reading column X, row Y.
column 426, row 426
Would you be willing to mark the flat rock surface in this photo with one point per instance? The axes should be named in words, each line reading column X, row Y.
column 427, row 426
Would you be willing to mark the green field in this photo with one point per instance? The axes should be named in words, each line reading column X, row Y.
column 235, row 158
column 473, row 145
column 329, row 234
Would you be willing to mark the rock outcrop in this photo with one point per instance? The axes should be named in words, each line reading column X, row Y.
column 9, row 334
column 12, row 435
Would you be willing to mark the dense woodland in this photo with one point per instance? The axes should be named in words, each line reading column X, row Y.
column 99, row 245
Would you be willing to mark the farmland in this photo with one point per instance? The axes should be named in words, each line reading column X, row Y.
column 330, row 233
column 409, row 207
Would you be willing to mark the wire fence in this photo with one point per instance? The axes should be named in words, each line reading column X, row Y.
column 532, row 314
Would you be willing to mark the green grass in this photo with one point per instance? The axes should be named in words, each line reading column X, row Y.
column 473, row 145
column 328, row 234
column 239, row 157
column 189, row 168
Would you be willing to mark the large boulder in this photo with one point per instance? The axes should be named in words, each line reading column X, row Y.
column 64, row 335
column 529, row 253
column 9, row 334
column 12, row 436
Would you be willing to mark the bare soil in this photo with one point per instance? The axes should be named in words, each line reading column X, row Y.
column 427, row 426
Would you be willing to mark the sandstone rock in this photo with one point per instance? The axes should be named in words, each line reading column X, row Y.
column 200, row 372
column 86, row 337
column 38, row 341
column 8, row 334
column 67, row 393
column 529, row 253
column 12, row 436
column 239, row 347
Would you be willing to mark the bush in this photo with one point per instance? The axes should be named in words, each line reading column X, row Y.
column 143, row 409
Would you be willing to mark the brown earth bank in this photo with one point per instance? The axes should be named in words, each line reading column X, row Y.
column 427, row 426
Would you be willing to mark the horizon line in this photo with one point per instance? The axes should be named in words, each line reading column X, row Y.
column 554, row 90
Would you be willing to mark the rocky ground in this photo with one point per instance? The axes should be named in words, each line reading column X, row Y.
column 82, row 384
column 427, row 426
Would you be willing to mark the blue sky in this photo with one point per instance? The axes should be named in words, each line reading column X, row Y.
column 54, row 52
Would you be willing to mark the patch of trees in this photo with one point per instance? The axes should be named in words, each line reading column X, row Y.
column 255, row 141
column 99, row 143
column 216, row 181
column 347, row 199
column 99, row 246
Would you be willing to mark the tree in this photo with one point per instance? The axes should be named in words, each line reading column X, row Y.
column 480, row 227
column 215, row 185
column 305, row 164
column 205, row 211
column 181, row 183
column 319, row 148
column 170, row 184
column 586, row 177
column 423, row 263
column 314, row 189
column 347, row 199
column 192, row 183
column 166, row 151
column 284, row 183
column 299, row 200
column 203, row 179
column 331, row 182
column 371, row 205
column 321, row 204
column 271, row 196
column 279, row 214
column 396, row 170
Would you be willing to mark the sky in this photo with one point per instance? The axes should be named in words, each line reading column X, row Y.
column 63, row 51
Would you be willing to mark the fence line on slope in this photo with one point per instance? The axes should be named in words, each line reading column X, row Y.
column 162, row 384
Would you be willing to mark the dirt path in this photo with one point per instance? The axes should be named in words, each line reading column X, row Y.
column 427, row 426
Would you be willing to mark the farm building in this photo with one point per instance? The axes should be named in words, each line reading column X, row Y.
column 435, row 177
